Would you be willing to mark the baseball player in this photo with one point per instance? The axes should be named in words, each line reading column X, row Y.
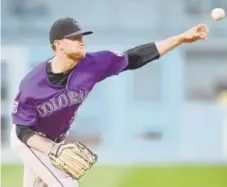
column 51, row 93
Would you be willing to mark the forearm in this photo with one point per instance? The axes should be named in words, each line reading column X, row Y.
column 41, row 144
column 35, row 141
column 164, row 46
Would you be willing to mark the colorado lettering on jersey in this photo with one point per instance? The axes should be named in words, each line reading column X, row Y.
column 64, row 100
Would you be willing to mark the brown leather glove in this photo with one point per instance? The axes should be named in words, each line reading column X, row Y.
column 73, row 158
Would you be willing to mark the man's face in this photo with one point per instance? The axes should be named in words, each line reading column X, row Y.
column 73, row 47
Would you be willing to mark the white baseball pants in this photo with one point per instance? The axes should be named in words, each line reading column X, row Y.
column 38, row 169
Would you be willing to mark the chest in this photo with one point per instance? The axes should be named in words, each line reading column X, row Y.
column 52, row 99
column 65, row 100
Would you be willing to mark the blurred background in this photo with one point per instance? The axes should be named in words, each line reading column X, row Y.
column 164, row 125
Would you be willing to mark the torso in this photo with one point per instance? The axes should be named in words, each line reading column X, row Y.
column 50, row 106
column 57, row 105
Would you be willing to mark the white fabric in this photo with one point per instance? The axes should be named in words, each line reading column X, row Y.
column 38, row 167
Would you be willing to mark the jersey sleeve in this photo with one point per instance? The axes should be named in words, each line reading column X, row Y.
column 23, row 112
column 110, row 63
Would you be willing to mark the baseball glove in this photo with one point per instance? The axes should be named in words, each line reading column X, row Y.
column 73, row 158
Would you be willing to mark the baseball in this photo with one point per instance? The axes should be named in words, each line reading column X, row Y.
column 218, row 14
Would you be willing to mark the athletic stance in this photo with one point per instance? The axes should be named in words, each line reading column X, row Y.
column 51, row 93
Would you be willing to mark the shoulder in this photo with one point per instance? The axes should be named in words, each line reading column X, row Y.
column 33, row 75
column 105, row 53
column 104, row 56
column 30, row 81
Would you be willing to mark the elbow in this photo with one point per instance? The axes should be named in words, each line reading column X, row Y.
column 18, row 132
column 23, row 133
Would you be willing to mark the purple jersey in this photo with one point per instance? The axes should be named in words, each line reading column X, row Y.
column 50, row 109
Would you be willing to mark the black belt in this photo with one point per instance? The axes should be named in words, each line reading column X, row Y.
column 56, row 139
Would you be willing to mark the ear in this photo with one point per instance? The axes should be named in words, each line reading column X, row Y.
column 57, row 44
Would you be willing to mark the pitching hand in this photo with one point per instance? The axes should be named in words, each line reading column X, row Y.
column 198, row 32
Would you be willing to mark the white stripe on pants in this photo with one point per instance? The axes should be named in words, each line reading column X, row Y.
column 38, row 167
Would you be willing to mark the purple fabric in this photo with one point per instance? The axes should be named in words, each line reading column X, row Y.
column 51, row 109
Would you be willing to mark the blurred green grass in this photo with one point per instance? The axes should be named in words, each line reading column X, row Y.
column 138, row 176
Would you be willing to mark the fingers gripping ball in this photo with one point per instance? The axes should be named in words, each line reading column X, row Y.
column 73, row 158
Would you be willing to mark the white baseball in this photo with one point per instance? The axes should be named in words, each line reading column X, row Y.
column 218, row 14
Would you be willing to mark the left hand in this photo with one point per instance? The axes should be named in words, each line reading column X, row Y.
column 198, row 32
column 73, row 158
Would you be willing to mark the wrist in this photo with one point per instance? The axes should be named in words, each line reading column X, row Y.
column 180, row 38
column 48, row 148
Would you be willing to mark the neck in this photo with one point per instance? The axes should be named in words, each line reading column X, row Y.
column 61, row 64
